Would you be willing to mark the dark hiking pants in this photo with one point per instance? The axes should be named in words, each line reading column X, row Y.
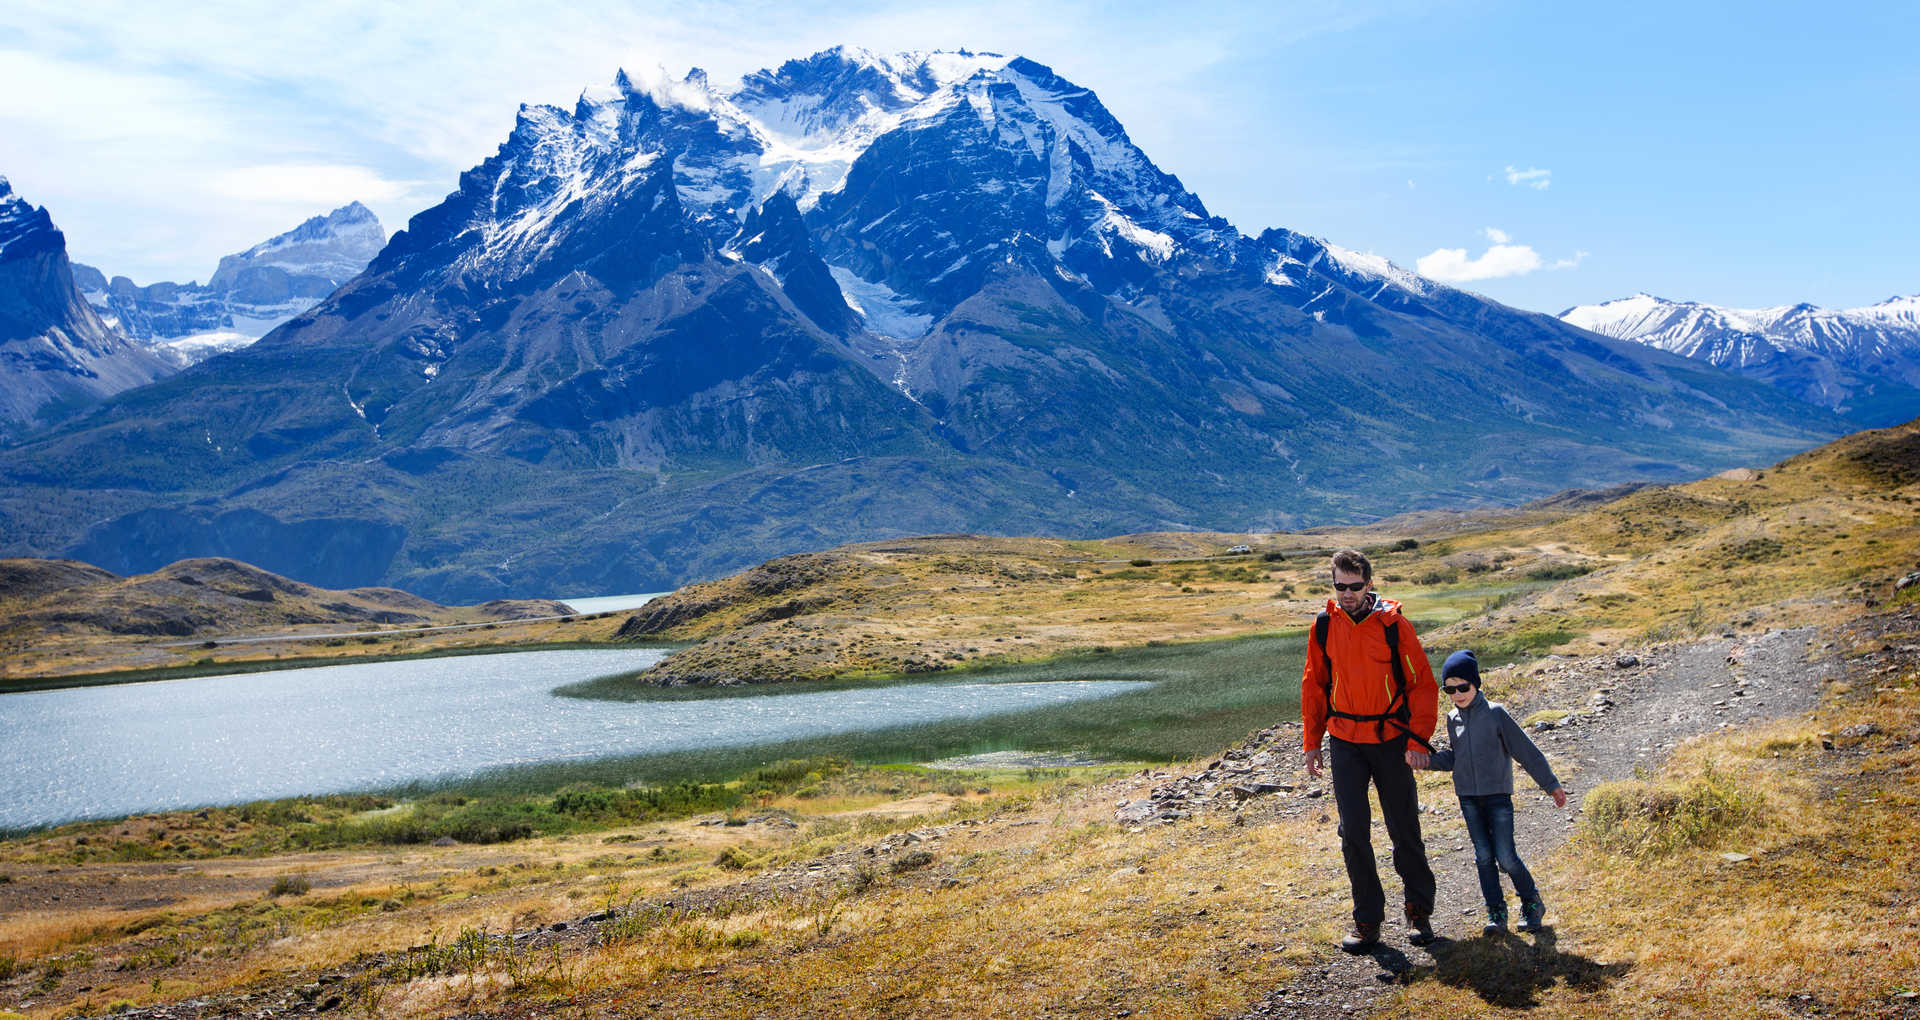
column 1385, row 766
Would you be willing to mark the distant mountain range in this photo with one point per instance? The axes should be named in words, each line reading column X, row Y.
column 1861, row 362
column 54, row 350
column 249, row 293
column 677, row 329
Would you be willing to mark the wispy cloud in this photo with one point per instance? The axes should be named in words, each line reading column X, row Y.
column 1532, row 177
column 311, row 185
column 1503, row 258
column 418, row 92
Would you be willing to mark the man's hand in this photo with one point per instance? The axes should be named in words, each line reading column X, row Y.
column 1559, row 796
column 1417, row 759
column 1313, row 763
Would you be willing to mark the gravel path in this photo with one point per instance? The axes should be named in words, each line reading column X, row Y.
column 1630, row 711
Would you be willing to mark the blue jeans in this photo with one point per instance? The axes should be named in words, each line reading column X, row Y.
column 1490, row 823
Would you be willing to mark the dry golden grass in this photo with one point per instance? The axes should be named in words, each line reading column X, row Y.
column 1822, row 914
column 1073, row 916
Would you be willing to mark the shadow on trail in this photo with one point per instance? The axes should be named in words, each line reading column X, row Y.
column 1503, row 970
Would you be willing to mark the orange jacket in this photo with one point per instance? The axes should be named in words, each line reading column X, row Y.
column 1362, row 681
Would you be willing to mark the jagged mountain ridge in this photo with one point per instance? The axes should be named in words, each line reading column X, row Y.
column 249, row 293
column 1862, row 362
column 674, row 330
column 54, row 351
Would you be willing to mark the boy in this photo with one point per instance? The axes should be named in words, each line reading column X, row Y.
column 1484, row 742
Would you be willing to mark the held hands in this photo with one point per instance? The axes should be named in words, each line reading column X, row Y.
column 1559, row 796
column 1313, row 763
column 1417, row 759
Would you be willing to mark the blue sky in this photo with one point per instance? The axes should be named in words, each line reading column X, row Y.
column 1544, row 154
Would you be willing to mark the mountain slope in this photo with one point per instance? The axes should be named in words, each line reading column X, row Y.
column 677, row 329
column 1861, row 362
column 54, row 351
column 249, row 293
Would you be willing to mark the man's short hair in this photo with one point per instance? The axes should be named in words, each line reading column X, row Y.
column 1353, row 561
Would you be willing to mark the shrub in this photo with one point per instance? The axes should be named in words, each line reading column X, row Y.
column 1643, row 820
column 1140, row 563
column 734, row 859
column 1558, row 572
column 290, row 885
column 912, row 861
column 583, row 801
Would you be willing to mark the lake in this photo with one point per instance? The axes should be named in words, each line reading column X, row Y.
column 96, row 752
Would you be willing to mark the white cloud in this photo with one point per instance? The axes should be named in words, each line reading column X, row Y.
column 1502, row 258
column 421, row 91
column 1532, row 177
column 1452, row 265
column 309, row 185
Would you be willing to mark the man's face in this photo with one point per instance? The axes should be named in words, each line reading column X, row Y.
column 1350, row 600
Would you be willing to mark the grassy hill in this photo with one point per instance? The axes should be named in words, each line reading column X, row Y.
column 1753, row 871
column 61, row 619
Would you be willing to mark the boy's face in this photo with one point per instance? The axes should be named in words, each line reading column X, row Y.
column 1459, row 690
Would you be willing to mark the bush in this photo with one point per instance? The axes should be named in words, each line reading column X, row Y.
column 1558, row 572
column 1140, row 563
column 1642, row 820
column 290, row 885
column 912, row 861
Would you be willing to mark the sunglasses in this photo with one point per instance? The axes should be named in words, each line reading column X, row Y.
column 1355, row 586
column 1456, row 688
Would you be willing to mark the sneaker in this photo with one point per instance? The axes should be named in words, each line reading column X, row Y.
column 1364, row 937
column 1533, row 916
column 1419, row 928
column 1496, row 921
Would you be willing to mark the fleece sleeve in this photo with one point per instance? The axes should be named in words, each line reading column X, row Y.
column 1316, row 689
column 1523, row 750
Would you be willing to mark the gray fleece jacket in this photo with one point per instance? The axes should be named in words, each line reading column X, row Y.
column 1483, row 743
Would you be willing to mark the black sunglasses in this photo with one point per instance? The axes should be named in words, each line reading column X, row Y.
column 1355, row 586
column 1456, row 688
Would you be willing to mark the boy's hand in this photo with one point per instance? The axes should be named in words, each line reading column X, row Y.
column 1559, row 796
column 1417, row 759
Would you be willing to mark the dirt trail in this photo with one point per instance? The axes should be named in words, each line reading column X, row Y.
column 1626, row 717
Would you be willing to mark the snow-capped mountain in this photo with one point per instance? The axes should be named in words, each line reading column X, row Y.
column 679, row 328
column 54, row 351
column 249, row 293
column 1863, row 362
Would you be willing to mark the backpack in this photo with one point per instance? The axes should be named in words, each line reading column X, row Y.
column 1399, row 711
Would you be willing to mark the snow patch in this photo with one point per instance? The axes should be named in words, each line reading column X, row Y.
column 886, row 313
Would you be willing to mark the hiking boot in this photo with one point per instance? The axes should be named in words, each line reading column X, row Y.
column 1496, row 921
column 1419, row 928
column 1533, row 916
column 1364, row 937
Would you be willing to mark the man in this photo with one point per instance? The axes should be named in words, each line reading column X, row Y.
column 1369, row 689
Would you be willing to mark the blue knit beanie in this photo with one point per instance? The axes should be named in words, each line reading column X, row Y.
column 1462, row 665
